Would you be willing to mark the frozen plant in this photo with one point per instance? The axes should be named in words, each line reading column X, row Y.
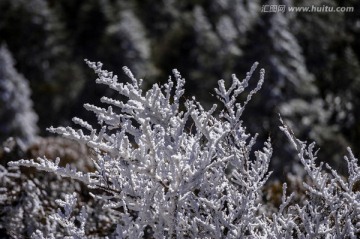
column 332, row 205
column 17, row 117
column 67, row 220
column 160, row 162
column 164, row 167
column 20, row 205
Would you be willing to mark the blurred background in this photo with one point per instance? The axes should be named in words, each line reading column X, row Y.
column 311, row 61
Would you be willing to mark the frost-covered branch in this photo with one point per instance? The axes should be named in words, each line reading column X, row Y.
column 168, row 168
column 163, row 175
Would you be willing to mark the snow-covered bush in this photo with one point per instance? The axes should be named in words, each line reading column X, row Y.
column 331, row 208
column 17, row 117
column 165, row 167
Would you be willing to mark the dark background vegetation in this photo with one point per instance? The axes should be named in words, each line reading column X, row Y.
column 311, row 61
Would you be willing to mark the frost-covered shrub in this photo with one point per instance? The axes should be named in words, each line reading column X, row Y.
column 165, row 167
column 28, row 199
column 160, row 162
column 17, row 117
column 331, row 208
